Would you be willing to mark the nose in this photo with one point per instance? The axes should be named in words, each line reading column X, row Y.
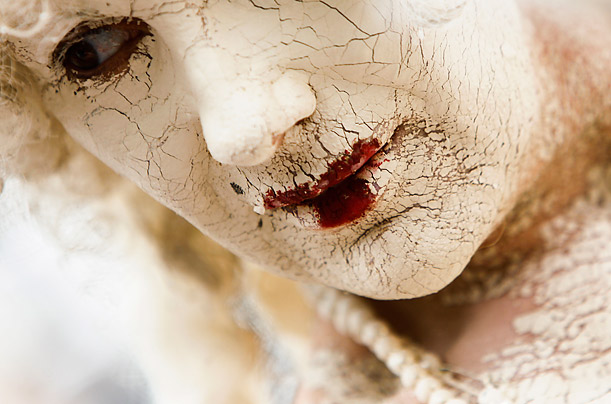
column 244, row 116
column 243, row 120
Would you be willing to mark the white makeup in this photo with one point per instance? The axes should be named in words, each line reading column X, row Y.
column 236, row 114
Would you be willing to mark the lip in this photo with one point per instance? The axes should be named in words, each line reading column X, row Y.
column 339, row 170
column 339, row 196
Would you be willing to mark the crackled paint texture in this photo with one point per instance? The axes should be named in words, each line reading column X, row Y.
column 562, row 350
column 227, row 111
column 264, row 96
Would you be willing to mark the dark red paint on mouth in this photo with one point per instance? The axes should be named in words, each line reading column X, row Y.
column 338, row 197
column 344, row 203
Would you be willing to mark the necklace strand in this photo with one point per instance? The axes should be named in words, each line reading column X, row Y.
column 418, row 370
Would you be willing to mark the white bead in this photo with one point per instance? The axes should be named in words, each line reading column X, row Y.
column 356, row 320
column 314, row 292
column 340, row 314
column 440, row 397
column 381, row 348
column 326, row 304
column 385, row 345
column 409, row 375
column 430, row 361
column 457, row 401
column 324, row 309
column 372, row 331
column 425, row 387
column 395, row 361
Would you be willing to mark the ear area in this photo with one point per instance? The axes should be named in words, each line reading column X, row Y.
column 32, row 142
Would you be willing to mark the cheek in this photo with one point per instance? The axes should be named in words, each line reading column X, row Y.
column 139, row 125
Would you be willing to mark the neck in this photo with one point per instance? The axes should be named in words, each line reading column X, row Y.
column 575, row 144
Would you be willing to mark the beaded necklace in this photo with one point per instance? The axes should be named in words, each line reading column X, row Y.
column 419, row 370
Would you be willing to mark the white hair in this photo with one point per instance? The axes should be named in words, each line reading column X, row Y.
column 26, row 127
column 25, row 123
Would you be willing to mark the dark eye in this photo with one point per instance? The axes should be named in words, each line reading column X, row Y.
column 102, row 51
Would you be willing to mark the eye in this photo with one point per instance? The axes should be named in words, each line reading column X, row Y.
column 103, row 51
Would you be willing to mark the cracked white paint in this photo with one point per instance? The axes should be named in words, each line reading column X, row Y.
column 249, row 72
column 563, row 350
column 227, row 101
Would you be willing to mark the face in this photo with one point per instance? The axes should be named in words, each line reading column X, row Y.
column 368, row 145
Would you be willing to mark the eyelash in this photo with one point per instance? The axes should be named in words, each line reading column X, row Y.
column 104, row 51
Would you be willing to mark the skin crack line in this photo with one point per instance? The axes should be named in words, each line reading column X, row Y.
column 434, row 151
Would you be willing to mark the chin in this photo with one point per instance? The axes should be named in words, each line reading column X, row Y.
column 400, row 258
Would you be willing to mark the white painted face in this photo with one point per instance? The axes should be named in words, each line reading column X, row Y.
column 411, row 119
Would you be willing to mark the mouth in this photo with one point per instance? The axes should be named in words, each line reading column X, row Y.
column 340, row 196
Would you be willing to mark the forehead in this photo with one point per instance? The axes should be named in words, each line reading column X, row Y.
column 249, row 27
column 52, row 15
column 369, row 17
column 354, row 11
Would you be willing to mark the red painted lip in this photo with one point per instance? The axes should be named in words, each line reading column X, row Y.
column 339, row 170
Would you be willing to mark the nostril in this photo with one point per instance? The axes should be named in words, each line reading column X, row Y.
column 247, row 121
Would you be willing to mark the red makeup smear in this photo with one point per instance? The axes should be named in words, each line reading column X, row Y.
column 344, row 203
column 338, row 171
